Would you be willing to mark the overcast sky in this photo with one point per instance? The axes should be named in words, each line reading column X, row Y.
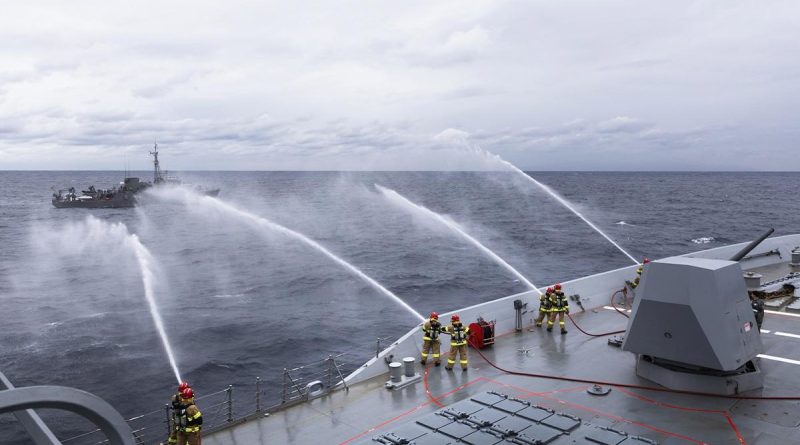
column 258, row 85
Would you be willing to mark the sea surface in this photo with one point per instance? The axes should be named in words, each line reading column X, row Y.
column 241, row 302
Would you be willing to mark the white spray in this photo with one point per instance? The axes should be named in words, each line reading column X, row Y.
column 192, row 200
column 552, row 193
column 146, row 261
column 93, row 234
column 401, row 200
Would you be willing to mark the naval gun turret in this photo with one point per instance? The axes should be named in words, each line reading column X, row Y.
column 692, row 326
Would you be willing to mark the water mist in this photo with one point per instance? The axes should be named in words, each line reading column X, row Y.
column 552, row 193
column 193, row 200
column 94, row 233
column 404, row 202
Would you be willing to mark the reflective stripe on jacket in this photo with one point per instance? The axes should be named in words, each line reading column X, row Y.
column 191, row 419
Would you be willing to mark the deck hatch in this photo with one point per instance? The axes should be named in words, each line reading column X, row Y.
column 488, row 398
column 538, row 435
column 406, row 433
column 605, row 436
column 457, row 430
column 563, row 422
column 463, row 409
column 511, row 406
column 433, row 439
column 534, row 413
column 434, row 421
column 481, row 438
column 511, row 426
column 486, row 417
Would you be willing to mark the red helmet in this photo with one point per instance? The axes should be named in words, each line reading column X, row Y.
column 455, row 318
column 549, row 290
column 645, row 261
column 434, row 316
column 183, row 386
column 558, row 286
column 187, row 393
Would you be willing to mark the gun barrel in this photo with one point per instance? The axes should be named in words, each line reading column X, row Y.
column 747, row 249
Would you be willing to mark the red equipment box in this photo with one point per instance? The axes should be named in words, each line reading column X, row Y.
column 481, row 333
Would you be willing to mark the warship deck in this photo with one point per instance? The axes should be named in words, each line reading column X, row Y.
column 368, row 411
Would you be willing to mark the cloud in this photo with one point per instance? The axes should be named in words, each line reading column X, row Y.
column 355, row 84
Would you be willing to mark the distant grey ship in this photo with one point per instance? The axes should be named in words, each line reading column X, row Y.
column 116, row 197
column 121, row 196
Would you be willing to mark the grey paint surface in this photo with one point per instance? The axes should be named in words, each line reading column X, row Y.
column 33, row 424
column 694, row 311
column 89, row 406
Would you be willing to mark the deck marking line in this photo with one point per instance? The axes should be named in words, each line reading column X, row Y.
column 428, row 390
column 786, row 334
column 735, row 430
column 667, row 405
column 779, row 359
column 764, row 331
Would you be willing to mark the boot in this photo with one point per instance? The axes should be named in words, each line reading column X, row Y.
column 437, row 364
column 549, row 329
column 563, row 331
column 448, row 368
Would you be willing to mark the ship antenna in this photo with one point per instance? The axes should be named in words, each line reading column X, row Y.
column 156, row 169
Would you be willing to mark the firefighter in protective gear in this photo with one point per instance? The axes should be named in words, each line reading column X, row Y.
column 176, row 405
column 544, row 306
column 458, row 342
column 430, row 339
column 190, row 421
column 559, row 306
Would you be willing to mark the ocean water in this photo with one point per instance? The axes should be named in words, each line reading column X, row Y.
column 240, row 302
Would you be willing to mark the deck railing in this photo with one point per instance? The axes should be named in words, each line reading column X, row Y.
column 238, row 403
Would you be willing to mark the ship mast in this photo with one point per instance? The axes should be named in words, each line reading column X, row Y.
column 156, row 169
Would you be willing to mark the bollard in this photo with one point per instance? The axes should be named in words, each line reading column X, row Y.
column 258, row 394
column 230, row 402
column 408, row 365
column 396, row 372
column 518, row 306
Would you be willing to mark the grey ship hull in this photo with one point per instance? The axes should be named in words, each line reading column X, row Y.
column 368, row 413
column 120, row 200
